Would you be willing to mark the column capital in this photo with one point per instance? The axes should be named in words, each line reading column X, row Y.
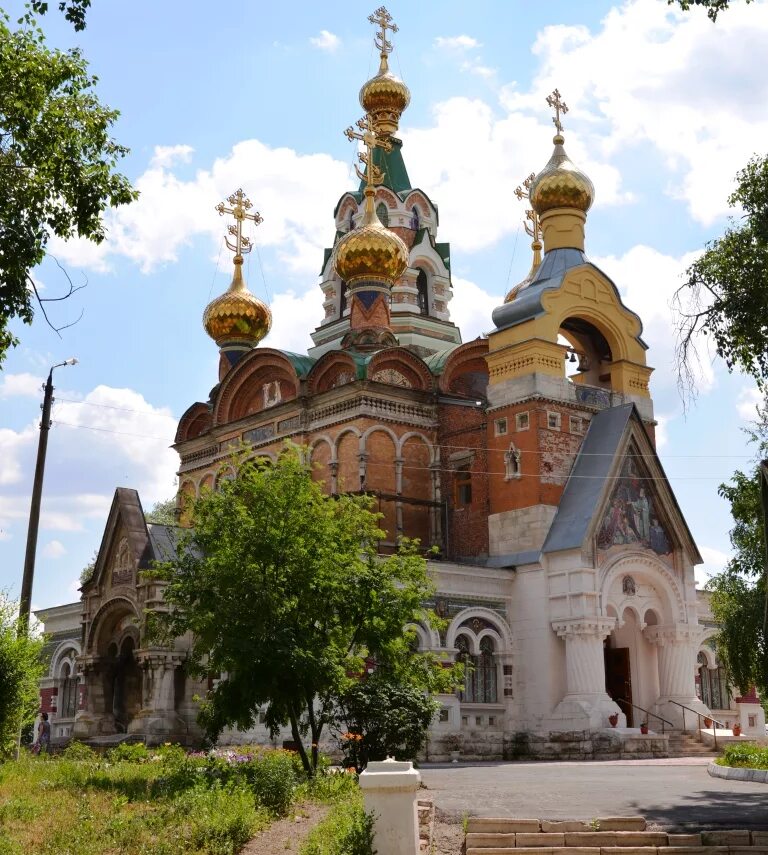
column 674, row 633
column 150, row 657
column 598, row 627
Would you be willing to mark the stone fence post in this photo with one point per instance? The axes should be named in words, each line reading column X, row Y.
column 390, row 791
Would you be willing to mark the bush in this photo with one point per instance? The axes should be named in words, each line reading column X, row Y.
column 746, row 755
column 79, row 751
column 128, row 752
column 223, row 818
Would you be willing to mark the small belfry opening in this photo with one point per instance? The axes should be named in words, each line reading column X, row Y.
column 588, row 356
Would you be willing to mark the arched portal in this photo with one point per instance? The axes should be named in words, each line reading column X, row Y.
column 126, row 685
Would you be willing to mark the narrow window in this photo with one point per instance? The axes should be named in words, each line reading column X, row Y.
column 351, row 219
column 463, row 485
column 382, row 212
column 501, row 427
column 415, row 219
column 343, row 298
column 422, row 295
column 522, row 421
column 553, row 421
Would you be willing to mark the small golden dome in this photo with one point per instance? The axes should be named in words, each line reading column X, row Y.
column 370, row 253
column 237, row 315
column 561, row 184
column 384, row 97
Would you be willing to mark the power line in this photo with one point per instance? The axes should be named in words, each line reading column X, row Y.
column 109, row 430
column 121, row 409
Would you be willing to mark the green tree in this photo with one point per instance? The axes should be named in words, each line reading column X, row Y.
column 20, row 671
column 739, row 591
column 725, row 295
column 163, row 513
column 285, row 597
column 713, row 7
column 384, row 714
column 57, row 158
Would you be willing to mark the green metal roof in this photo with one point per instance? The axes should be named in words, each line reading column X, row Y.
column 393, row 166
column 436, row 361
column 300, row 361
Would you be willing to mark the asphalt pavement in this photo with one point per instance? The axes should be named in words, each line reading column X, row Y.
column 674, row 793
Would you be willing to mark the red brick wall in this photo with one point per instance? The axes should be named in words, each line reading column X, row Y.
column 46, row 700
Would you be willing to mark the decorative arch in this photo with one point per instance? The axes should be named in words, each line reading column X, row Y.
column 414, row 434
column 418, row 199
column 207, row 483
column 421, row 261
column 425, row 642
column 386, row 196
column 652, row 570
column 332, row 369
column 320, row 440
column 397, row 366
column 62, row 654
column 346, row 204
column 503, row 630
column 634, row 610
column 466, row 371
column 242, row 391
column 378, row 429
column 709, row 656
column 195, row 421
column 106, row 620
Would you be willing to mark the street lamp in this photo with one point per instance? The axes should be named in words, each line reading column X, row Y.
column 25, row 603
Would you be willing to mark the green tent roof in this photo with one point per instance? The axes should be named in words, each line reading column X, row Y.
column 393, row 166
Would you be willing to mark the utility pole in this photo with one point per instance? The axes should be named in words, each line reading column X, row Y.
column 25, row 602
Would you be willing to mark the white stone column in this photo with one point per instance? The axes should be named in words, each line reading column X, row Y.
column 586, row 705
column 678, row 645
column 390, row 791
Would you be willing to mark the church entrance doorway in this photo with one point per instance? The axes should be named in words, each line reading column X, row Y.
column 126, row 685
column 618, row 679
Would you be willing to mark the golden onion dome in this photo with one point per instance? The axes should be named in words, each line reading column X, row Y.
column 385, row 97
column 237, row 315
column 561, row 184
column 370, row 253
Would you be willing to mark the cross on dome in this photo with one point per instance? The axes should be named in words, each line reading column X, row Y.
column 559, row 106
column 371, row 140
column 240, row 205
column 382, row 19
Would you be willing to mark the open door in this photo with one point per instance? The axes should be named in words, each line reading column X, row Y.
column 618, row 682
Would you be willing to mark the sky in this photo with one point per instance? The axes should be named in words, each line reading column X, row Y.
column 665, row 108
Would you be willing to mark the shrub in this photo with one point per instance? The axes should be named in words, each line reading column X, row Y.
column 745, row 754
column 223, row 819
column 79, row 751
column 347, row 830
column 129, row 752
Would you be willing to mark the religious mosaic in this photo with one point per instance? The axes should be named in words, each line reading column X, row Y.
column 632, row 517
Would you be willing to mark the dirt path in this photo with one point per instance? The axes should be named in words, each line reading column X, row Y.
column 286, row 835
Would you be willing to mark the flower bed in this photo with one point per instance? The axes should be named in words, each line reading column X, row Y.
column 744, row 755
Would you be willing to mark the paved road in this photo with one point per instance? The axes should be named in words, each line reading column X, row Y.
column 672, row 793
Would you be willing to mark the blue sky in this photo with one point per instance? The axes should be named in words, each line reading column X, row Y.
column 664, row 111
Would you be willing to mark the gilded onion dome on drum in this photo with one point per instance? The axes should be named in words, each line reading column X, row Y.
column 561, row 184
column 385, row 97
column 237, row 315
column 370, row 253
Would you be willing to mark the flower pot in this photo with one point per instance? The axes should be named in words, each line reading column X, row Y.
column 737, row 730
column 707, row 722
column 643, row 728
column 613, row 719
column 455, row 756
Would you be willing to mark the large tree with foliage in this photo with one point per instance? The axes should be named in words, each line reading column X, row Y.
column 285, row 596
column 725, row 295
column 20, row 671
column 739, row 593
column 57, row 159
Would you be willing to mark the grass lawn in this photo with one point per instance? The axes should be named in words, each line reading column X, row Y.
column 160, row 802
column 744, row 755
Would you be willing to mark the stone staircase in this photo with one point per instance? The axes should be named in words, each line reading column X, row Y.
column 683, row 744
column 602, row 836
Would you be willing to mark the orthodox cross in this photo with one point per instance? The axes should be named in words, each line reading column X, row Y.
column 559, row 107
column 370, row 139
column 382, row 19
column 240, row 205
column 532, row 224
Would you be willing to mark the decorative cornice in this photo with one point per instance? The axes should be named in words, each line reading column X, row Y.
column 599, row 627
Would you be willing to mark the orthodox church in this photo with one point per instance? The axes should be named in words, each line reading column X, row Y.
column 564, row 567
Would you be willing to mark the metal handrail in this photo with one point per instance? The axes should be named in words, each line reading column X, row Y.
column 647, row 712
column 699, row 717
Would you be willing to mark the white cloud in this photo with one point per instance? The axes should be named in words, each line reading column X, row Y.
column 471, row 308
column 295, row 194
column 326, row 41
column 20, row 385
column 112, row 437
column 650, row 73
column 169, row 155
column 54, row 549
column 477, row 68
column 458, row 43
column 714, row 561
column 749, row 401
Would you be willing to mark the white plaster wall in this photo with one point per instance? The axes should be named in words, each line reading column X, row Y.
column 520, row 530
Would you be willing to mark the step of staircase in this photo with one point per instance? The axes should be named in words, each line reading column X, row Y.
column 602, row 836
column 688, row 745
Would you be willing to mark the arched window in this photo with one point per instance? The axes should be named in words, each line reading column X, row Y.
column 343, row 298
column 480, row 684
column 382, row 212
column 351, row 219
column 415, row 219
column 512, row 463
column 422, row 295
column 68, row 692
column 713, row 685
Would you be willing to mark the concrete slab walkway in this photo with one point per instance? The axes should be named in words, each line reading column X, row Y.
column 673, row 793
